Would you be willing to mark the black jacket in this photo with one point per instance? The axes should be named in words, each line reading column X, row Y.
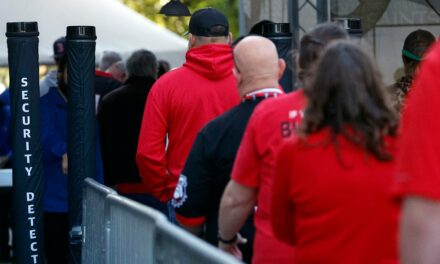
column 120, row 117
column 207, row 172
column 104, row 83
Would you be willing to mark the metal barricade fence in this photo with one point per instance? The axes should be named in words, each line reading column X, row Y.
column 118, row 230
column 132, row 231
column 95, row 225
column 175, row 246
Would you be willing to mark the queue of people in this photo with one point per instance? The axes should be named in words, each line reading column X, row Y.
column 325, row 174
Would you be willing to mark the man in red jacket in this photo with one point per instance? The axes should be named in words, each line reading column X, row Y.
column 183, row 100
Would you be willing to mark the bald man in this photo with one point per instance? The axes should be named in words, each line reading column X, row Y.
column 209, row 164
column 272, row 122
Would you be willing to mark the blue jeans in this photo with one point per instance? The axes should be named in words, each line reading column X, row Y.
column 171, row 214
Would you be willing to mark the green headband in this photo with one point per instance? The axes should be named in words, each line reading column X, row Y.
column 411, row 55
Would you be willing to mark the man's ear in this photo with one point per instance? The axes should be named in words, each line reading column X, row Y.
column 237, row 74
column 191, row 40
column 281, row 68
column 231, row 39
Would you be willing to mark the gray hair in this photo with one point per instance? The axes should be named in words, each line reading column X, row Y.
column 142, row 63
column 120, row 65
column 108, row 59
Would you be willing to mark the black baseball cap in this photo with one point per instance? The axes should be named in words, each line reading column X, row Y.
column 208, row 22
column 59, row 47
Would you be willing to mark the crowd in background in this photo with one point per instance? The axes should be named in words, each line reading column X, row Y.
column 317, row 175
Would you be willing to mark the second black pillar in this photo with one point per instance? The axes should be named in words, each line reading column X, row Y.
column 81, row 42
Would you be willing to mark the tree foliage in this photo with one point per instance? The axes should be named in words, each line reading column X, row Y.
column 179, row 25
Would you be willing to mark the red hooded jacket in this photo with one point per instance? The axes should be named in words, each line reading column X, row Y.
column 180, row 103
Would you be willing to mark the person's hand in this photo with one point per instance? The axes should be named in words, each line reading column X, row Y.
column 3, row 161
column 64, row 164
column 232, row 248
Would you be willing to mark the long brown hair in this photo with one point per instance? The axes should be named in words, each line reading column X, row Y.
column 346, row 94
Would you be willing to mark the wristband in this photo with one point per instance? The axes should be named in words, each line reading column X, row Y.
column 229, row 241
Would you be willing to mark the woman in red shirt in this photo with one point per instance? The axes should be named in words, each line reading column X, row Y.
column 331, row 195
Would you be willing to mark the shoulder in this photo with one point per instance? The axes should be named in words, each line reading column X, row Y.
column 52, row 102
column 114, row 95
column 106, row 81
column 215, row 126
column 220, row 124
column 265, row 110
column 293, row 100
column 4, row 97
column 50, row 97
column 223, row 118
column 45, row 101
column 167, row 85
column 50, row 77
column 171, row 76
column 162, row 85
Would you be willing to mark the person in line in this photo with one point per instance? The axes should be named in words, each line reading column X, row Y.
column 418, row 175
column 331, row 196
column 53, row 107
column 209, row 164
column 120, row 117
column 5, row 118
column 50, row 79
column 118, row 71
column 108, row 59
column 5, row 162
column 164, row 67
column 414, row 48
column 104, row 81
column 183, row 100
column 272, row 121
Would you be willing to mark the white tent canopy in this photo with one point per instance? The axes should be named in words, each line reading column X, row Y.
column 118, row 28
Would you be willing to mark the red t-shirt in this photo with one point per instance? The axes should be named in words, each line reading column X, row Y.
column 335, row 204
column 419, row 162
column 179, row 104
column 272, row 120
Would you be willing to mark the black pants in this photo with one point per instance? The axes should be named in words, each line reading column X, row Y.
column 5, row 224
column 148, row 200
column 248, row 232
column 56, row 236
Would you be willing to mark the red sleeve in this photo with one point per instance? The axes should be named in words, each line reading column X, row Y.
column 150, row 156
column 418, row 164
column 246, row 168
column 282, row 209
column 189, row 221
